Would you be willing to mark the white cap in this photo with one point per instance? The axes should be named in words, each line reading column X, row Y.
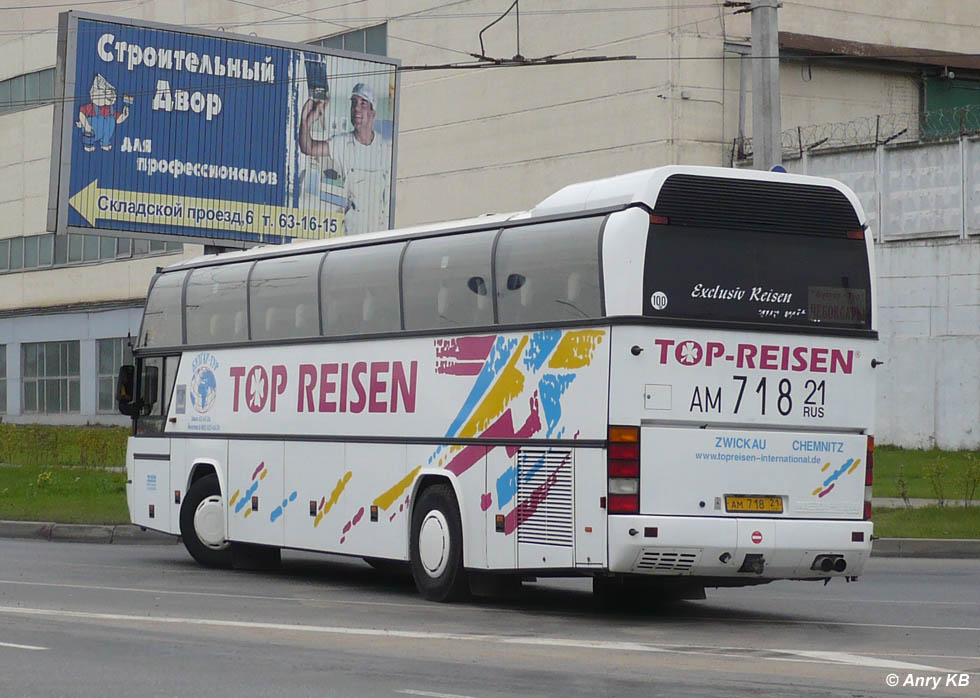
column 363, row 91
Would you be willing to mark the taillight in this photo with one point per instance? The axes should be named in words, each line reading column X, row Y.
column 623, row 470
column 869, row 477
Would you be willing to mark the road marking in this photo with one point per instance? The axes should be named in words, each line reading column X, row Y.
column 862, row 602
column 857, row 660
column 411, row 692
column 153, row 591
column 831, row 623
column 584, row 644
column 762, row 653
column 22, row 647
column 321, row 600
column 144, row 590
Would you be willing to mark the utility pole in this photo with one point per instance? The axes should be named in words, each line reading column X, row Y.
column 766, row 120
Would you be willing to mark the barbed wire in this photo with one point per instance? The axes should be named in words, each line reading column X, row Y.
column 871, row 131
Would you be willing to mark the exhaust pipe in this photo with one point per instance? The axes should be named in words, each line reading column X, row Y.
column 828, row 563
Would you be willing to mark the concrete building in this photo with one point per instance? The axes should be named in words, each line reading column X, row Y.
column 497, row 138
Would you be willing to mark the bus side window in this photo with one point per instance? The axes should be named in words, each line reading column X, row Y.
column 549, row 272
column 280, row 292
column 214, row 296
column 304, row 321
column 161, row 325
column 444, row 279
column 240, row 329
column 359, row 289
column 222, row 327
column 162, row 372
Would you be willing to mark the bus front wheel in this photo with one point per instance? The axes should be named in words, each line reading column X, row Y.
column 437, row 546
column 202, row 527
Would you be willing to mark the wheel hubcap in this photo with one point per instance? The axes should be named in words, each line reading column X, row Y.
column 434, row 543
column 209, row 523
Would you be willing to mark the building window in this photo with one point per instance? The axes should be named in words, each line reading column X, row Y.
column 371, row 40
column 41, row 251
column 27, row 91
column 951, row 107
column 51, row 377
column 112, row 353
column 3, row 378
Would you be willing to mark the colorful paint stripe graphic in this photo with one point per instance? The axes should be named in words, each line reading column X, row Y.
column 327, row 504
column 849, row 466
column 543, row 363
column 503, row 367
column 258, row 475
column 240, row 501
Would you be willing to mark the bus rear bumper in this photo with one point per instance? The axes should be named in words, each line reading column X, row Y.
column 738, row 547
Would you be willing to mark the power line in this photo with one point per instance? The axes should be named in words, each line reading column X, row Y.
column 653, row 32
column 66, row 4
column 483, row 65
column 408, row 16
column 558, row 156
column 300, row 19
column 343, row 26
column 917, row 20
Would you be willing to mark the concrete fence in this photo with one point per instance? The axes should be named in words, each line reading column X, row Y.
column 922, row 201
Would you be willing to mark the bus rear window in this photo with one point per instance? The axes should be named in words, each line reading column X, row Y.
column 739, row 275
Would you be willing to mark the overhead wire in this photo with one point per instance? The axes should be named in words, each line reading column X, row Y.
column 344, row 26
column 553, row 60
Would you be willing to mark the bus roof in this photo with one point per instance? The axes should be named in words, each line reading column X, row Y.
column 620, row 191
column 643, row 187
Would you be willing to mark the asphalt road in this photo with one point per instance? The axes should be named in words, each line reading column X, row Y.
column 104, row 621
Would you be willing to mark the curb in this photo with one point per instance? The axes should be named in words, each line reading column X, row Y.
column 956, row 548
column 128, row 534
column 122, row 534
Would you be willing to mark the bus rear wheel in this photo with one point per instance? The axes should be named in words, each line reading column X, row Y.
column 437, row 546
column 202, row 523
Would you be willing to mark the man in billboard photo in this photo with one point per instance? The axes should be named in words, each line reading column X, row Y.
column 361, row 156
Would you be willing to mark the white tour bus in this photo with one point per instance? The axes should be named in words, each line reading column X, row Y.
column 663, row 380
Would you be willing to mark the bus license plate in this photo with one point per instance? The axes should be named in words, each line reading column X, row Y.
column 754, row 504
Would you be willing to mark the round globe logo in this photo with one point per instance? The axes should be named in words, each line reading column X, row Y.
column 203, row 388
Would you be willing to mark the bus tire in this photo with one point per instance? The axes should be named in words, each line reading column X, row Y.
column 202, row 504
column 437, row 546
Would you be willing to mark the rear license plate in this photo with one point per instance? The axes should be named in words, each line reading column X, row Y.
column 754, row 503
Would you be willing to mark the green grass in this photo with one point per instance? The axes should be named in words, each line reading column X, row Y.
column 952, row 471
column 927, row 522
column 44, row 488
column 62, row 494
column 42, row 444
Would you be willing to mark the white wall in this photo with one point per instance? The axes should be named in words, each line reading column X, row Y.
column 87, row 327
column 928, row 264
column 474, row 141
column 929, row 312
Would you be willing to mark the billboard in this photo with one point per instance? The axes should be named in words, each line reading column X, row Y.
column 177, row 133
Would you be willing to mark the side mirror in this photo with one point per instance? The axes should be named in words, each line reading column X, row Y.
column 124, row 390
column 148, row 394
column 515, row 281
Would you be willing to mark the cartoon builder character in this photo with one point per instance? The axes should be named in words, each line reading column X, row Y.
column 98, row 118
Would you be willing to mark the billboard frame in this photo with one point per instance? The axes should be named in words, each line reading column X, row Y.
column 64, row 120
